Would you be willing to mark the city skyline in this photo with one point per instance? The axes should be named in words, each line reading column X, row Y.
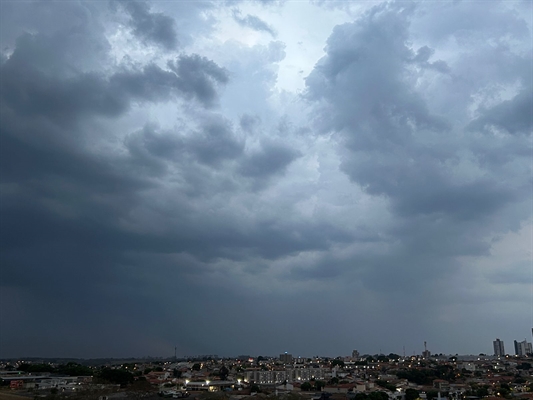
column 258, row 176
column 290, row 357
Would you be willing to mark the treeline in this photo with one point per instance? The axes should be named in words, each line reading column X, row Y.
column 427, row 375
column 371, row 396
column 70, row 369
column 119, row 376
column 116, row 376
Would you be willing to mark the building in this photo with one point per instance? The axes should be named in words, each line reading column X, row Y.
column 522, row 348
column 286, row 375
column 499, row 350
column 267, row 377
column 285, row 358
column 426, row 353
column 307, row 374
column 355, row 354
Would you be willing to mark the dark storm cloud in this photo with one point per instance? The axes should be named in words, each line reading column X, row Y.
column 151, row 27
column 198, row 77
column 253, row 22
column 33, row 85
column 66, row 210
column 271, row 159
column 130, row 200
column 215, row 142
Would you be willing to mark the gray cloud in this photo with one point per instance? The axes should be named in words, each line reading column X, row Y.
column 33, row 85
column 199, row 76
column 422, row 56
column 136, row 193
column 395, row 144
column 272, row 158
column 253, row 22
column 512, row 116
column 215, row 142
column 249, row 122
column 151, row 27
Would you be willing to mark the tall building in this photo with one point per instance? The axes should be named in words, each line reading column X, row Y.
column 285, row 358
column 426, row 353
column 355, row 354
column 522, row 348
column 498, row 348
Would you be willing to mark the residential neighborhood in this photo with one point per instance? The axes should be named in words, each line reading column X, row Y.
column 354, row 377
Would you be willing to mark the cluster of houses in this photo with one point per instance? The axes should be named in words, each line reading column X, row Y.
column 43, row 381
column 340, row 378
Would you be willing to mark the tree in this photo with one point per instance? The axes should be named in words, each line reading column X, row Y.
column 31, row 368
column 223, row 373
column 378, row 396
column 524, row 365
column 360, row 396
column 386, row 385
column 411, row 394
column 140, row 388
column 482, row 392
column 116, row 376
column 74, row 369
column 305, row 387
column 319, row 385
column 340, row 363
column 196, row 367
column 432, row 394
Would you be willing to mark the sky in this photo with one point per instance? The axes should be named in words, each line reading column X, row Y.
column 255, row 177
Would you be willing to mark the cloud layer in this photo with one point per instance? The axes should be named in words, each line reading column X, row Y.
column 160, row 188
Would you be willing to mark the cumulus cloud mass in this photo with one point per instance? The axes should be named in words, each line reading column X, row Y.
column 256, row 177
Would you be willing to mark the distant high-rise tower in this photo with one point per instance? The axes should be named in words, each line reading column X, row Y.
column 499, row 350
column 355, row 354
column 285, row 358
column 426, row 353
column 522, row 348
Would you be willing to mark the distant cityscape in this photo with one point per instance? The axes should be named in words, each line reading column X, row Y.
column 354, row 377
